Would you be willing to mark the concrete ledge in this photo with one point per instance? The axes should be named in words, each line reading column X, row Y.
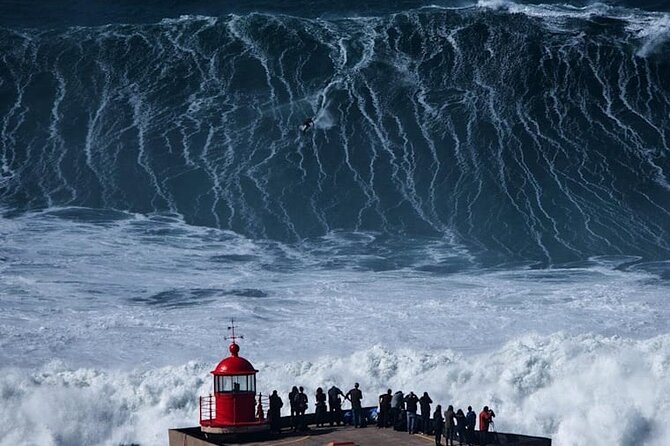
column 340, row 436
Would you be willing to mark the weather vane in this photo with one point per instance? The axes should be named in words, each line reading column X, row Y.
column 232, row 336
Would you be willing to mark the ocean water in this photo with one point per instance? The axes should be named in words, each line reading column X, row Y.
column 482, row 210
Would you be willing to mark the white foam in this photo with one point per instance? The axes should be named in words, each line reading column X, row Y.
column 584, row 389
column 494, row 4
column 653, row 31
column 547, row 11
column 189, row 18
column 57, row 405
column 325, row 119
column 155, row 290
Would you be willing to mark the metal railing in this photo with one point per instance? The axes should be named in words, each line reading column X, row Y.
column 207, row 408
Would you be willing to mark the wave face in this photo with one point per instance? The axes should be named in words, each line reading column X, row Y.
column 534, row 132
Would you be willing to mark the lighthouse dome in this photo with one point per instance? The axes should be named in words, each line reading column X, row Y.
column 234, row 364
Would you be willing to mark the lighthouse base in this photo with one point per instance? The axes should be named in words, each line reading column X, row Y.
column 196, row 436
column 247, row 428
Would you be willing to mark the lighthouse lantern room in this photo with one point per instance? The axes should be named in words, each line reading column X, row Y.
column 232, row 408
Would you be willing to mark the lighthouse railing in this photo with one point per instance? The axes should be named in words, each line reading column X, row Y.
column 207, row 412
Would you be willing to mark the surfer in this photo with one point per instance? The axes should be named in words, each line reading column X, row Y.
column 308, row 124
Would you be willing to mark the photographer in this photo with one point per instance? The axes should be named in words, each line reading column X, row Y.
column 485, row 419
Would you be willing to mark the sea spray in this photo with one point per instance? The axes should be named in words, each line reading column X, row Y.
column 576, row 389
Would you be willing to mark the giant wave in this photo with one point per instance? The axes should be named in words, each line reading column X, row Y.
column 520, row 131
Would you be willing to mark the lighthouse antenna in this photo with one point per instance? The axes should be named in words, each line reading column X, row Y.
column 232, row 337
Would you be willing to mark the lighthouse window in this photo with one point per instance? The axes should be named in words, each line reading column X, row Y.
column 242, row 383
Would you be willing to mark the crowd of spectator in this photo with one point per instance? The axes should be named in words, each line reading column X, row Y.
column 402, row 412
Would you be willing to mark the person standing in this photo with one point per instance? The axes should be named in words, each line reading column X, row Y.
column 411, row 401
column 460, row 425
column 438, row 421
column 397, row 406
column 301, row 408
column 424, row 403
column 450, row 425
column 335, row 405
column 470, row 422
column 320, row 410
column 355, row 396
column 294, row 412
column 485, row 419
column 275, row 412
column 384, row 409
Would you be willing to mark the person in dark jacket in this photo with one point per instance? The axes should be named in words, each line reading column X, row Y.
column 411, row 402
column 307, row 124
column 356, row 397
column 300, row 400
column 470, row 422
column 274, row 412
column 384, row 409
column 460, row 425
column 320, row 407
column 439, row 424
column 450, row 425
column 294, row 412
column 425, row 403
column 335, row 405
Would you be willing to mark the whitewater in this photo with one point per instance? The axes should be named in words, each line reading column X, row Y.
column 482, row 211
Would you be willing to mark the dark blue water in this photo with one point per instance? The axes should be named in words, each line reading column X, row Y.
column 519, row 131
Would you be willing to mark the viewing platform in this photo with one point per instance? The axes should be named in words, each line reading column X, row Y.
column 336, row 436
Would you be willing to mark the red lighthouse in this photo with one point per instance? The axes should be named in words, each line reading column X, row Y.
column 232, row 408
